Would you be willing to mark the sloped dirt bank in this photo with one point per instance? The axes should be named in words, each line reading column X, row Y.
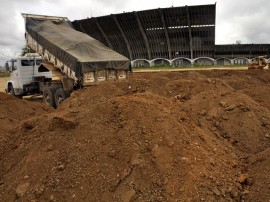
column 167, row 136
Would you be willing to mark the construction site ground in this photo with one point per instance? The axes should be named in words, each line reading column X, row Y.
column 160, row 136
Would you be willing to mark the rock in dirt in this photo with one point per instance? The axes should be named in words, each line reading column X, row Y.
column 242, row 179
column 39, row 191
column 216, row 191
column 128, row 196
column 62, row 123
column 230, row 107
column 27, row 125
column 223, row 103
column 21, row 189
column 61, row 167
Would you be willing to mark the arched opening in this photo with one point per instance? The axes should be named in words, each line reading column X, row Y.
column 240, row 61
column 223, row 62
column 205, row 61
column 140, row 63
column 181, row 62
column 160, row 62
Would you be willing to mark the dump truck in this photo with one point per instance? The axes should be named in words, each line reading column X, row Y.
column 75, row 58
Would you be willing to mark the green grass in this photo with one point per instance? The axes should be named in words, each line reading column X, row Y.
column 4, row 74
column 187, row 67
column 155, row 67
column 220, row 66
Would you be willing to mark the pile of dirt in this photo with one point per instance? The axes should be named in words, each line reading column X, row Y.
column 15, row 115
column 14, row 110
column 188, row 136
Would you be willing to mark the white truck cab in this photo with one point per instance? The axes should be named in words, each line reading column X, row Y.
column 25, row 74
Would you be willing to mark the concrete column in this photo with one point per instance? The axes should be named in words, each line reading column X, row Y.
column 146, row 41
column 124, row 37
column 103, row 34
column 166, row 34
column 189, row 34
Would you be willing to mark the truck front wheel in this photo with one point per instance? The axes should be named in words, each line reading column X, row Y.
column 48, row 97
column 60, row 96
column 12, row 91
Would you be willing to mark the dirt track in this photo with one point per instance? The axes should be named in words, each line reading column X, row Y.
column 167, row 136
column 3, row 81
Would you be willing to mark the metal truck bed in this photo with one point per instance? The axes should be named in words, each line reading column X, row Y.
column 77, row 55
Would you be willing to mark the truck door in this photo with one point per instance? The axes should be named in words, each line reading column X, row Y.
column 13, row 68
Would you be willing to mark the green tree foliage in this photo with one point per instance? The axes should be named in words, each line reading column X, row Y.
column 25, row 50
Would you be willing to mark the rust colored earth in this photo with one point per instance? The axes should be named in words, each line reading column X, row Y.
column 166, row 136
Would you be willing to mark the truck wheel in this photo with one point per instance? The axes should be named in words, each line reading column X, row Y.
column 11, row 89
column 48, row 97
column 12, row 92
column 60, row 96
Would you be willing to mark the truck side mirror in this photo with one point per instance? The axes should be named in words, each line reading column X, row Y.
column 7, row 67
column 13, row 65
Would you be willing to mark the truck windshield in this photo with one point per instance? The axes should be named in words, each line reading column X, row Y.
column 27, row 62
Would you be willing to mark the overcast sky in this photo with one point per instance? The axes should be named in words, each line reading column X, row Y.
column 245, row 20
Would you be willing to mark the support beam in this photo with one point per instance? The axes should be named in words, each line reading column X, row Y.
column 166, row 34
column 215, row 22
column 124, row 37
column 82, row 29
column 103, row 34
column 189, row 34
column 146, row 41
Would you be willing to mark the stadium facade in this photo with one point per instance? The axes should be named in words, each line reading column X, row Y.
column 178, row 36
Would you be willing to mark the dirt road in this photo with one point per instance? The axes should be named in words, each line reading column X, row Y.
column 163, row 136
column 3, row 81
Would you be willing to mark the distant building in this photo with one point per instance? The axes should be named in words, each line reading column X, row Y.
column 178, row 36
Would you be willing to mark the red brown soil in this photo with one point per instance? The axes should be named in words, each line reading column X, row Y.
column 168, row 136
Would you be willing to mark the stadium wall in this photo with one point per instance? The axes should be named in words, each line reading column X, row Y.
column 178, row 36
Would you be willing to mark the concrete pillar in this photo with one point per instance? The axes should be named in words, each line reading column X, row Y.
column 103, row 34
column 189, row 34
column 146, row 41
column 166, row 34
column 124, row 37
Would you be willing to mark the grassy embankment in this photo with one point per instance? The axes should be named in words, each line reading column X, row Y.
column 4, row 74
column 168, row 68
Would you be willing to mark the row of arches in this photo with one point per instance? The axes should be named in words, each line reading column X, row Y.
column 186, row 62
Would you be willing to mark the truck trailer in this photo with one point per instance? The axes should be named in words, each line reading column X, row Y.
column 75, row 58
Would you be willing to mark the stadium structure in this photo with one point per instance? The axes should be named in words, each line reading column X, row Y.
column 177, row 36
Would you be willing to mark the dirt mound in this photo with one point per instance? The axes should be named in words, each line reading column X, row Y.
column 14, row 110
column 191, row 136
column 15, row 115
column 259, row 169
column 229, row 114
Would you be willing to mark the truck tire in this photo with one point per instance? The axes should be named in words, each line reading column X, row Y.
column 60, row 96
column 48, row 97
column 12, row 91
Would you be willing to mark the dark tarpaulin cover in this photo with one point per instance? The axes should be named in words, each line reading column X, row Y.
column 76, row 50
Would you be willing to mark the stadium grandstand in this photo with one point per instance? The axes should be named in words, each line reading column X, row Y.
column 177, row 36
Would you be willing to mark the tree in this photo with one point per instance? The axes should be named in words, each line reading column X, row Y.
column 25, row 50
